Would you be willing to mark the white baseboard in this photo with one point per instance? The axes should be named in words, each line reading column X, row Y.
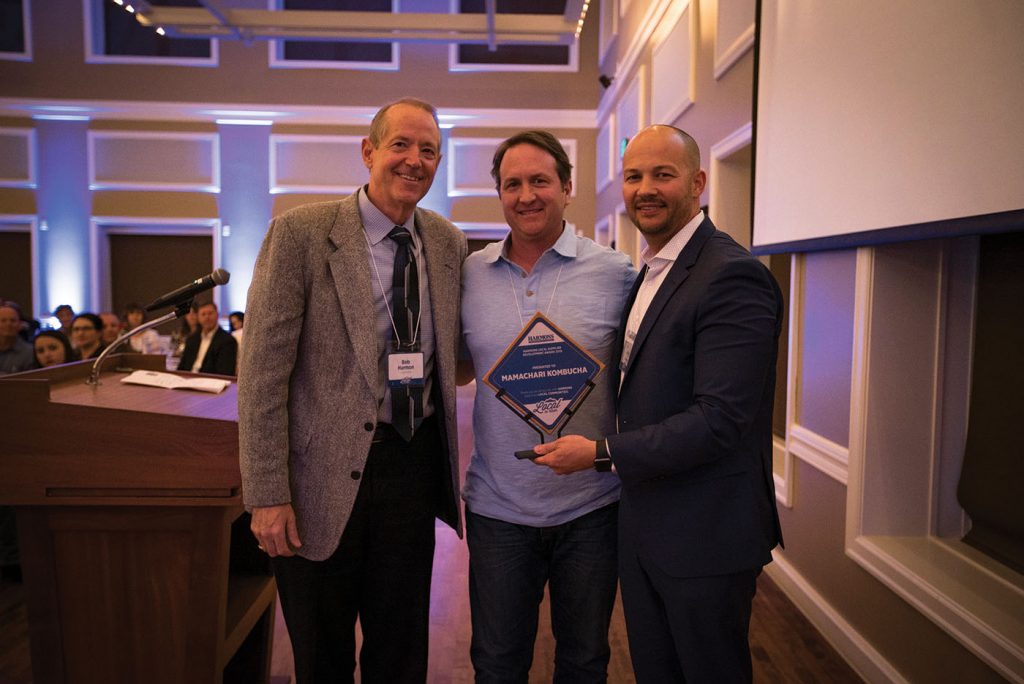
column 854, row 649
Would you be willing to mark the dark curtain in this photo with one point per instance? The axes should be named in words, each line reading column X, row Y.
column 991, row 487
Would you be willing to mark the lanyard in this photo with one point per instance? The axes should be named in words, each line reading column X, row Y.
column 419, row 314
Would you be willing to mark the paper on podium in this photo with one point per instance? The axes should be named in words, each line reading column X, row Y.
column 171, row 381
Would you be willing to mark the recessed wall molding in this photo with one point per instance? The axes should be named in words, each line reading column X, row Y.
column 673, row 57
column 469, row 165
column 640, row 40
column 609, row 28
column 154, row 160
column 316, row 164
column 729, row 185
column 913, row 309
column 809, row 446
column 820, row 452
column 606, row 150
column 17, row 157
column 734, row 33
column 630, row 115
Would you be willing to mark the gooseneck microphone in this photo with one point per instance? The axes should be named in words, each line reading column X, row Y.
column 183, row 294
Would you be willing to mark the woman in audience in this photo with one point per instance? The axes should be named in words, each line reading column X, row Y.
column 52, row 348
column 147, row 341
column 86, row 329
column 236, row 319
column 189, row 325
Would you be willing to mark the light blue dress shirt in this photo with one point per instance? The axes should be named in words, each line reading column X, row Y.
column 582, row 287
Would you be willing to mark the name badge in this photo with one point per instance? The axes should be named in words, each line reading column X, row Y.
column 405, row 369
column 627, row 348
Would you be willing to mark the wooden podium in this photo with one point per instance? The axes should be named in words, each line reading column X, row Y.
column 137, row 559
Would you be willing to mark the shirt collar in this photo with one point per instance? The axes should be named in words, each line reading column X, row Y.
column 670, row 252
column 375, row 223
column 565, row 245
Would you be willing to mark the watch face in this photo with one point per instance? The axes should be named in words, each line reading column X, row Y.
column 603, row 464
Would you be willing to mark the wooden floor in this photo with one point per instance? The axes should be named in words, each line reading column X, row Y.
column 784, row 645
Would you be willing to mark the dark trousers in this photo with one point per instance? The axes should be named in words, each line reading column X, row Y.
column 509, row 565
column 380, row 573
column 686, row 629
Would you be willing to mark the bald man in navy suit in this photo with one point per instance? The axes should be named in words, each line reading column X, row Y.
column 693, row 447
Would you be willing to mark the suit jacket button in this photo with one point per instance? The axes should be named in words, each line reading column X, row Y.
column 369, row 427
column 356, row 475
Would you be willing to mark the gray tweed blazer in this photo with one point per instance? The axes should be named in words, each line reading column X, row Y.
column 306, row 386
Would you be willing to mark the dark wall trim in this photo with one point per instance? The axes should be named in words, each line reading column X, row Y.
column 1001, row 222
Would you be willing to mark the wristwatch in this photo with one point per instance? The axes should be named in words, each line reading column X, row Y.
column 603, row 461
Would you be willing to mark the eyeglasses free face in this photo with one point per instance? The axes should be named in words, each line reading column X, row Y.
column 83, row 327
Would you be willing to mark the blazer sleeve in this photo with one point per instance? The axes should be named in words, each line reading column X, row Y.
column 275, row 311
column 733, row 356
column 227, row 354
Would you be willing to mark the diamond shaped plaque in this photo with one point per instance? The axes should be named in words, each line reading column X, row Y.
column 544, row 375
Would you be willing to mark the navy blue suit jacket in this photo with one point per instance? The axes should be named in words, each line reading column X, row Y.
column 694, row 448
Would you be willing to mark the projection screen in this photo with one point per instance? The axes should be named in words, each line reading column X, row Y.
column 887, row 119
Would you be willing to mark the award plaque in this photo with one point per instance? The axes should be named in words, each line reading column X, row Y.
column 544, row 376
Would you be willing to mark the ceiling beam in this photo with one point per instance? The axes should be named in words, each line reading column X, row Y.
column 211, row 21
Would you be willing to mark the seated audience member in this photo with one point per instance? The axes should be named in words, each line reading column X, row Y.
column 212, row 349
column 147, row 341
column 111, row 326
column 64, row 313
column 87, row 335
column 189, row 326
column 236, row 319
column 52, row 348
column 15, row 352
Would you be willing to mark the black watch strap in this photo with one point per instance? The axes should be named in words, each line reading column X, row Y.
column 603, row 461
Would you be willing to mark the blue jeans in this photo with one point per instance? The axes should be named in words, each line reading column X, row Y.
column 509, row 565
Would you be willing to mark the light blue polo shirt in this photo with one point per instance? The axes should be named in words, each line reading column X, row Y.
column 582, row 287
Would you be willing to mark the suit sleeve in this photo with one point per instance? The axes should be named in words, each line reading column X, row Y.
column 228, row 355
column 273, row 323
column 734, row 336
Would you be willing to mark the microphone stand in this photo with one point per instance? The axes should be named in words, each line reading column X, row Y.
column 179, row 311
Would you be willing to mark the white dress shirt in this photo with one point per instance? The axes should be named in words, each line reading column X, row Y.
column 658, row 265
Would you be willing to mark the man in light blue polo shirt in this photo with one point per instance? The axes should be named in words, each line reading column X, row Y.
column 527, row 526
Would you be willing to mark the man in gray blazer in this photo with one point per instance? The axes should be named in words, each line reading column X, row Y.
column 346, row 403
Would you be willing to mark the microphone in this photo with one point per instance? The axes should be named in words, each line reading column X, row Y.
column 183, row 294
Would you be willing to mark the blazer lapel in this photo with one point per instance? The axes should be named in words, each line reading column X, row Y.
column 350, row 269
column 442, row 273
column 676, row 276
